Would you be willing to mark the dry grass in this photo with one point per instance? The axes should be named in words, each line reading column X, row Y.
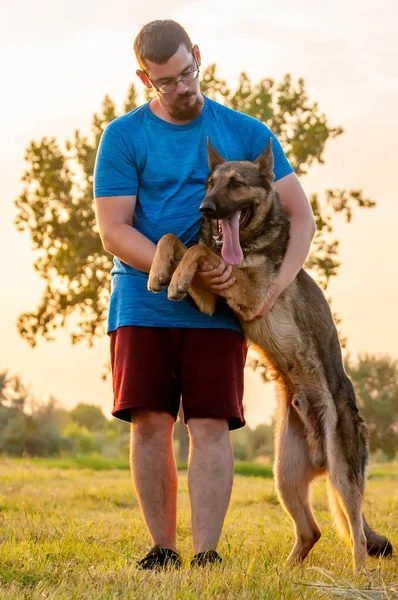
column 75, row 534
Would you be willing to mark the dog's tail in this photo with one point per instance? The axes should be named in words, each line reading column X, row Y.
column 376, row 544
column 339, row 518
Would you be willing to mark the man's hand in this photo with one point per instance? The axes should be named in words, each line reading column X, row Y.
column 277, row 290
column 266, row 307
column 216, row 278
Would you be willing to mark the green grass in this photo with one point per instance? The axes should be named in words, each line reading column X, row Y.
column 75, row 533
column 100, row 463
column 94, row 463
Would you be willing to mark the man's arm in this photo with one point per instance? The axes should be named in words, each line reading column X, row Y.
column 114, row 218
column 302, row 230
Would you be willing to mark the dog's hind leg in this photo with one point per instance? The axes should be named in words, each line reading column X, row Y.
column 312, row 427
column 349, row 495
column 347, row 458
column 347, row 480
column 293, row 475
column 377, row 545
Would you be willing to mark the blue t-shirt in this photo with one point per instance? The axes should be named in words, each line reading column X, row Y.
column 165, row 166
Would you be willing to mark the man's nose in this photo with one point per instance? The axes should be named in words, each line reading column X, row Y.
column 181, row 87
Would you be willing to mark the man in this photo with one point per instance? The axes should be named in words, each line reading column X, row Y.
column 150, row 178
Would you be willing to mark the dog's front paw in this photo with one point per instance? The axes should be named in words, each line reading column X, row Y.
column 158, row 280
column 178, row 288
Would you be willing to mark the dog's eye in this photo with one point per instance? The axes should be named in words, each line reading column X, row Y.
column 209, row 183
column 234, row 183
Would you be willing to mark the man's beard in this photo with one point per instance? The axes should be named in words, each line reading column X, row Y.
column 178, row 110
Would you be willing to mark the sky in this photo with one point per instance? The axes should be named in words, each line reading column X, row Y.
column 59, row 59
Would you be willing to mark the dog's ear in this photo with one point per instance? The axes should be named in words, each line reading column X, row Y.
column 214, row 158
column 265, row 162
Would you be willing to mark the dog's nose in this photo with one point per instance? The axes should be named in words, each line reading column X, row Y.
column 207, row 208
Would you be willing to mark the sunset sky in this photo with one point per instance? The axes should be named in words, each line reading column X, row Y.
column 59, row 59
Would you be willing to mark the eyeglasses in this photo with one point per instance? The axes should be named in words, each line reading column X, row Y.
column 185, row 79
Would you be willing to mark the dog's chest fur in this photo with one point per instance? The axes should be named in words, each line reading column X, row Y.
column 277, row 335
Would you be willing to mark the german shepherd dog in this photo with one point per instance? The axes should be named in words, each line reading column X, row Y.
column 319, row 430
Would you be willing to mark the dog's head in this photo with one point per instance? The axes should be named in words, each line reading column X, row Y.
column 239, row 195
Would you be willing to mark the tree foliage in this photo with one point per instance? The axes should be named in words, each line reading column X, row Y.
column 56, row 204
column 375, row 380
column 32, row 428
column 26, row 426
column 89, row 416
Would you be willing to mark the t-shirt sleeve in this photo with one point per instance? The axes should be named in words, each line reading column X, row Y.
column 260, row 136
column 115, row 171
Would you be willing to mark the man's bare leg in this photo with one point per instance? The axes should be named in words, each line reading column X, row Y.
column 154, row 474
column 210, row 478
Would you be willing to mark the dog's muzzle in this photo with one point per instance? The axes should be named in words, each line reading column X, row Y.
column 207, row 208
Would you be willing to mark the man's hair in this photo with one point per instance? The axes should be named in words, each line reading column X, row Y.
column 157, row 41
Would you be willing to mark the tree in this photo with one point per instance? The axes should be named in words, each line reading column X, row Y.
column 56, row 204
column 82, row 441
column 181, row 436
column 89, row 416
column 261, row 441
column 14, row 425
column 26, row 426
column 375, row 379
column 249, row 444
column 29, row 427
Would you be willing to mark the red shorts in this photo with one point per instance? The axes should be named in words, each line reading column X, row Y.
column 153, row 367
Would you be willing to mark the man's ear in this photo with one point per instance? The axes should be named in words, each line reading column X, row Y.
column 196, row 53
column 144, row 78
column 213, row 157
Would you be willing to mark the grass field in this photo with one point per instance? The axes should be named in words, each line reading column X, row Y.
column 72, row 532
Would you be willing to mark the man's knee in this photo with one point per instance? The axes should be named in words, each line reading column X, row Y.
column 208, row 431
column 150, row 425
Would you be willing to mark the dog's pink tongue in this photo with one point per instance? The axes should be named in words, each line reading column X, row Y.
column 231, row 250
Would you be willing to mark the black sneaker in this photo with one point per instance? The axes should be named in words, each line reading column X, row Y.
column 160, row 558
column 206, row 558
